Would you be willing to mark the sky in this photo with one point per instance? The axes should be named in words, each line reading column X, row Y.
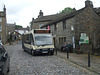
column 22, row 11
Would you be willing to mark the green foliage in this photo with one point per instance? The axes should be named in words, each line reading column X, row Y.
column 67, row 10
column 18, row 26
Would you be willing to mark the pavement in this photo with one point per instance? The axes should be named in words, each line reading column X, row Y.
column 82, row 60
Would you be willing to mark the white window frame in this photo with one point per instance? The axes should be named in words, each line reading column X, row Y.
column 72, row 27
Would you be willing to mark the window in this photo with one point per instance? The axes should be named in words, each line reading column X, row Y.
column 40, row 26
column 61, row 40
column 72, row 27
column 0, row 27
column 64, row 39
column 0, row 37
column 43, row 39
column 0, row 19
column 64, row 24
column 26, row 38
column 55, row 27
column 2, row 14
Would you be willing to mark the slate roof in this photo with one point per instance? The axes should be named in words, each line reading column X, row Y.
column 97, row 10
column 15, row 32
column 69, row 15
column 22, row 29
column 64, row 16
column 50, row 19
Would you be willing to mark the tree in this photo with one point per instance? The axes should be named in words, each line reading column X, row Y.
column 18, row 26
column 67, row 10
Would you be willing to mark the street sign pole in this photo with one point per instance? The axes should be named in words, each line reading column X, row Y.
column 88, row 59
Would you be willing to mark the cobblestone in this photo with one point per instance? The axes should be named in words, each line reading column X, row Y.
column 23, row 63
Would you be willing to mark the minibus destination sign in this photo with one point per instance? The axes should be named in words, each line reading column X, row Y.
column 41, row 31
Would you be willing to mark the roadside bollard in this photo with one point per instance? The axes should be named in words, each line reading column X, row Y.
column 67, row 53
column 56, row 51
column 88, row 59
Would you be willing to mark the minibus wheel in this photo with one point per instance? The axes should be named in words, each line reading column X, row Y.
column 52, row 53
column 32, row 52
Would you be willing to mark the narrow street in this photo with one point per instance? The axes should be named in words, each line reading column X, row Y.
column 23, row 63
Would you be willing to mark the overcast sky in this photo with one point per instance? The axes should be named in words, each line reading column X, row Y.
column 22, row 11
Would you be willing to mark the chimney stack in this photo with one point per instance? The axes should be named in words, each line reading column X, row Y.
column 40, row 14
column 88, row 3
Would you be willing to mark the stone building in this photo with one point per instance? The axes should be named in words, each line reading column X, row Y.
column 70, row 27
column 3, row 22
column 43, row 20
column 22, row 30
column 15, row 33
column 10, row 27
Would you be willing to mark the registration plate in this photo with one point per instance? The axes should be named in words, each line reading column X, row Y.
column 44, row 51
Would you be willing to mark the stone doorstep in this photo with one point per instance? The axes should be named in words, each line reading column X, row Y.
column 73, row 58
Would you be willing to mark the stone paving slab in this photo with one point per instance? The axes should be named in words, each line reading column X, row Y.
column 82, row 60
column 23, row 63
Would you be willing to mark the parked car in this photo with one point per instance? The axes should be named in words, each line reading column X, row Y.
column 4, row 61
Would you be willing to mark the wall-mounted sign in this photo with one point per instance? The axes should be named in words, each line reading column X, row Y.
column 84, row 39
column 83, row 34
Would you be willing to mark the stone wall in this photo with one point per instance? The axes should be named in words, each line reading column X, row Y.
column 3, row 32
column 61, row 33
column 87, row 22
column 86, row 48
column 10, row 28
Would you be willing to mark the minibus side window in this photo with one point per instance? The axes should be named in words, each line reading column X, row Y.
column 32, row 41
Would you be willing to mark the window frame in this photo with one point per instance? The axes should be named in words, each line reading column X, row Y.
column 0, row 37
column 72, row 28
column 0, row 19
column 64, row 24
column 55, row 27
